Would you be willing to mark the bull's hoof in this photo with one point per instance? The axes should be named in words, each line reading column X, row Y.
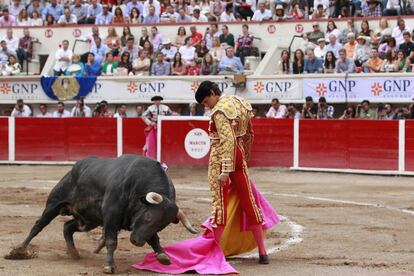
column 74, row 254
column 108, row 269
column 163, row 259
column 20, row 253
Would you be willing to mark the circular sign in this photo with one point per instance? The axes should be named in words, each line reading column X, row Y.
column 48, row 33
column 197, row 143
column 77, row 33
column 271, row 29
column 299, row 28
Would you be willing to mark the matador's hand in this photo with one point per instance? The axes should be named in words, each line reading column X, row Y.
column 223, row 179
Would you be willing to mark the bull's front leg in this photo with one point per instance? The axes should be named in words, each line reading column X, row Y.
column 163, row 258
column 111, row 242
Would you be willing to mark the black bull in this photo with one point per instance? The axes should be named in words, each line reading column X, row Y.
column 131, row 192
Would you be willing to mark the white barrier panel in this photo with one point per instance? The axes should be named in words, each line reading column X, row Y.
column 379, row 89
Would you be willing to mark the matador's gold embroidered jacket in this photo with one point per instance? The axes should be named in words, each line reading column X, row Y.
column 230, row 126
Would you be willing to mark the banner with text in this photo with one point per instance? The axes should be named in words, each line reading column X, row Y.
column 264, row 90
column 381, row 89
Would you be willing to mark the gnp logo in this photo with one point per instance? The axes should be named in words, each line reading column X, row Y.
column 18, row 88
column 334, row 86
column 390, row 86
column 272, row 86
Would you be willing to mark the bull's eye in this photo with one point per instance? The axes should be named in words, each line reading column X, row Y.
column 147, row 216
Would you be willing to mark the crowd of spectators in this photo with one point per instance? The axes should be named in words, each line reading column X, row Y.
column 41, row 12
column 212, row 53
column 309, row 110
column 352, row 49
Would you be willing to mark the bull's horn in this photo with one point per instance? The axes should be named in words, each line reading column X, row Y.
column 184, row 220
column 154, row 198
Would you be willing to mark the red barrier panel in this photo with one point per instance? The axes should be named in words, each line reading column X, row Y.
column 133, row 138
column 273, row 143
column 409, row 145
column 172, row 142
column 4, row 139
column 356, row 144
column 65, row 139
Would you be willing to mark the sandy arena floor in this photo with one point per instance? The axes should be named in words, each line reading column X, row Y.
column 334, row 224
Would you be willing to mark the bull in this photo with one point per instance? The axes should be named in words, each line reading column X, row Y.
column 131, row 192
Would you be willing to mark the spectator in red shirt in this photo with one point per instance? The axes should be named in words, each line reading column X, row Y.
column 194, row 69
column 195, row 36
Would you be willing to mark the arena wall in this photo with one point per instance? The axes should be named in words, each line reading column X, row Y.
column 349, row 146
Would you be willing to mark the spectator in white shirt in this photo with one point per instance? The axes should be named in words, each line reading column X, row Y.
column 61, row 112
column 121, row 112
column 398, row 32
column 227, row 15
column 262, row 14
column 63, row 57
column 67, row 17
column 43, row 112
column 12, row 41
column 197, row 16
column 333, row 45
column 169, row 15
column 168, row 50
column 80, row 109
column 187, row 52
column 324, row 3
column 276, row 111
column 21, row 110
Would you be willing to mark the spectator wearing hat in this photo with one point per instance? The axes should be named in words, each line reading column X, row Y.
column 350, row 46
column 150, row 117
column 198, row 16
column 168, row 50
column 320, row 50
column 279, row 13
column 105, row 17
column 344, row 64
column 333, row 45
column 152, row 17
column 277, row 110
column 399, row 31
column 227, row 15
column 312, row 64
column 161, row 67
column 316, row 34
column 373, row 64
column 262, row 14
column 372, row 9
column 230, row 65
column 325, row 111
column 309, row 109
column 226, row 37
column 362, row 50
column 407, row 46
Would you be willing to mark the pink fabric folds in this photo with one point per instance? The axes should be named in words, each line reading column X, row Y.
column 151, row 142
column 202, row 254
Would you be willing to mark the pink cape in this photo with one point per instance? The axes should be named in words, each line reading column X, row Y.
column 151, row 142
column 203, row 254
